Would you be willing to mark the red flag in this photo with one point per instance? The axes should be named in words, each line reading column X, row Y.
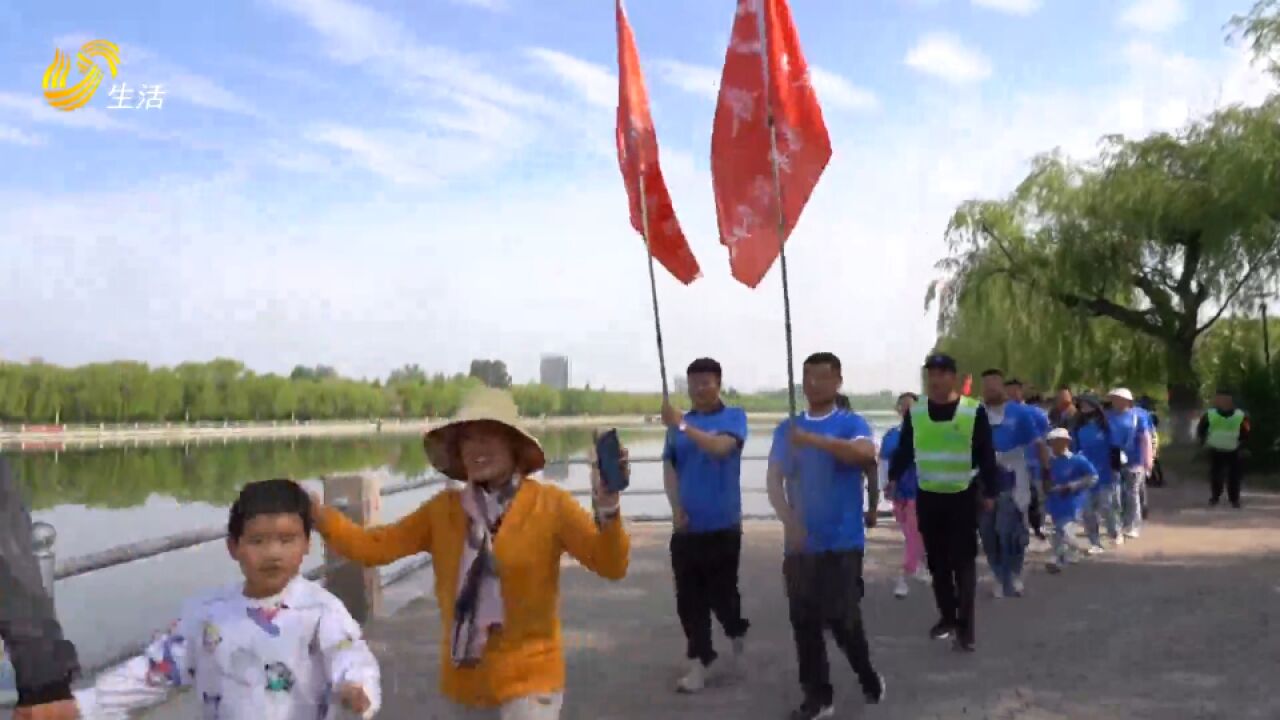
column 741, row 162
column 638, row 159
column 968, row 385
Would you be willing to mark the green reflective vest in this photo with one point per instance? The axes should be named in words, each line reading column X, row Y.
column 944, row 450
column 1224, row 432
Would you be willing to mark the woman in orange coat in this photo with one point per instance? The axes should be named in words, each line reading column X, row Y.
column 496, row 545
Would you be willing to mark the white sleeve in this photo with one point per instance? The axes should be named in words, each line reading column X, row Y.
column 347, row 657
column 143, row 681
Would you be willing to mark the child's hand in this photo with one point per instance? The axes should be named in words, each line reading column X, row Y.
column 353, row 697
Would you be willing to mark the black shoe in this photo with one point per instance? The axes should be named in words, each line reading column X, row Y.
column 1213, row 502
column 1235, row 504
column 873, row 691
column 942, row 630
column 813, row 710
column 965, row 645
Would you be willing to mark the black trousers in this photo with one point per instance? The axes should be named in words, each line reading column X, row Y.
column 949, row 527
column 823, row 592
column 705, row 565
column 1035, row 516
column 1225, row 468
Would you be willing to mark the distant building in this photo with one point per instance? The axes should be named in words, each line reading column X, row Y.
column 555, row 371
column 682, row 384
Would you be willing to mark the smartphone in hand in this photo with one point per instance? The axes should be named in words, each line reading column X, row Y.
column 609, row 462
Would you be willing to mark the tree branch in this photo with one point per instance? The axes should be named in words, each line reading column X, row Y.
column 1102, row 307
column 1254, row 266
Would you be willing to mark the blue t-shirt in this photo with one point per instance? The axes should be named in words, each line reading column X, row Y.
column 1065, row 469
column 826, row 492
column 1016, row 429
column 908, row 483
column 1039, row 419
column 1128, row 428
column 1095, row 444
column 710, row 487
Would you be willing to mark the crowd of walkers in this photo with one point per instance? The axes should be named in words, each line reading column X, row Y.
column 963, row 473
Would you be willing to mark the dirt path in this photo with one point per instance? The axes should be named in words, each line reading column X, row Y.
column 1184, row 623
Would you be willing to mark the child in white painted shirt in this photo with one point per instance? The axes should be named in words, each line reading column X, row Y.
column 275, row 647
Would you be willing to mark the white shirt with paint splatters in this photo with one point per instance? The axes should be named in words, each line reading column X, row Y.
column 279, row 658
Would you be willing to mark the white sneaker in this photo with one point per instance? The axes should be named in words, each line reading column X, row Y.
column 901, row 590
column 1119, row 541
column 695, row 680
column 922, row 575
column 1019, row 587
column 1095, row 550
column 1132, row 534
column 997, row 592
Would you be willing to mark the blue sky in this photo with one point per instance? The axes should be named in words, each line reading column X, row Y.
column 367, row 183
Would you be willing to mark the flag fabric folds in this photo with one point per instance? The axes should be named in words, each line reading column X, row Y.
column 638, row 160
column 765, row 76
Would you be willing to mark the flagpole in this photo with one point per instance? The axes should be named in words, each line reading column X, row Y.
column 782, row 218
column 653, row 286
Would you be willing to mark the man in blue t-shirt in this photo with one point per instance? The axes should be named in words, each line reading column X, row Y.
column 1133, row 435
column 702, row 464
column 1017, row 394
column 1003, row 528
column 815, row 481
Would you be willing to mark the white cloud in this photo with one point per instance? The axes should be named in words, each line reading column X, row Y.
column 596, row 83
column 36, row 110
column 945, row 56
column 14, row 136
column 1154, row 16
column 695, row 79
column 834, row 91
column 483, row 4
column 1013, row 7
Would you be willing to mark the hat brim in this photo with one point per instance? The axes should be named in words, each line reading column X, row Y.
column 445, row 456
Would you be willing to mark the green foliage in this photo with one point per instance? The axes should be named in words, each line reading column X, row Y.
column 224, row 390
column 493, row 373
column 1157, row 237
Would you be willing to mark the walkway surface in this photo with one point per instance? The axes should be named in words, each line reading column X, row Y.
column 1183, row 623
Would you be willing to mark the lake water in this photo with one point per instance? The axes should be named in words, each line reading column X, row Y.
column 101, row 498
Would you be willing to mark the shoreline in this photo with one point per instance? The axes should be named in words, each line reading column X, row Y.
column 57, row 437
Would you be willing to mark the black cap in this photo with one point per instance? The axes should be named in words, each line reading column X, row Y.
column 940, row 361
column 1013, row 382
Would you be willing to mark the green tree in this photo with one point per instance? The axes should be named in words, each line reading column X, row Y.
column 1160, row 235
column 492, row 373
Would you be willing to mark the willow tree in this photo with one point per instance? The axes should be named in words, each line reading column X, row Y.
column 1161, row 235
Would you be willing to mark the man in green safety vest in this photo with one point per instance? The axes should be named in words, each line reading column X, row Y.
column 1223, row 430
column 948, row 438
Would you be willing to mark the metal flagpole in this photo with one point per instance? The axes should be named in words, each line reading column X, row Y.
column 653, row 287
column 782, row 218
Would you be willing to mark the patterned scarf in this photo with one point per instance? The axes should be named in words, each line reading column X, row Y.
column 478, row 608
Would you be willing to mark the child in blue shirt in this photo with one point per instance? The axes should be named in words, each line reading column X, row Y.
column 1070, row 477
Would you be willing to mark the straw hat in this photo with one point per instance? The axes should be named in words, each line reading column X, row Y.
column 483, row 406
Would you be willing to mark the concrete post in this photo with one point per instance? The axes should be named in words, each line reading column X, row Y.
column 359, row 588
column 43, row 537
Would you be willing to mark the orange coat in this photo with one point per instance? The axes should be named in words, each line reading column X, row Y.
column 525, row 656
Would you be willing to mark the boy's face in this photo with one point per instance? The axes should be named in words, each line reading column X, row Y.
column 270, row 551
column 1060, row 446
